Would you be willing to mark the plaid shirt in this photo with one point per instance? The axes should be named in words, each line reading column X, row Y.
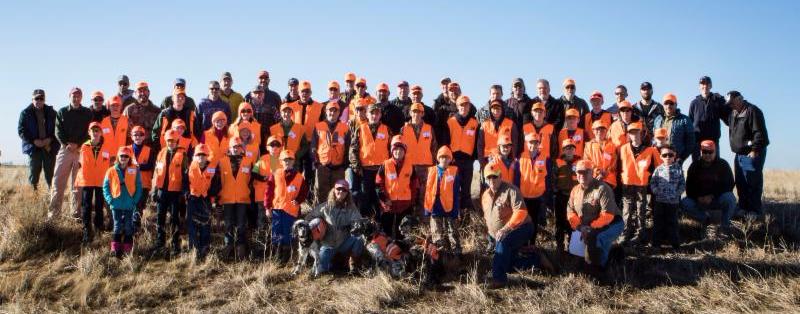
column 668, row 183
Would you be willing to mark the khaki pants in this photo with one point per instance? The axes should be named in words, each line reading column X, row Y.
column 444, row 233
column 66, row 170
column 324, row 178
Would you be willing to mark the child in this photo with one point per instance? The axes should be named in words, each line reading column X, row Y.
column 398, row 187
column 169, row 184
column 572, row 131
column 667, row 184
column 636, row 162
column 204, row 183
column 95, row 158
column 566, row 179
column 122, row 189
column 144, row 158
column 442, row 202
column 286, row 190
column 262, row 169
column 235, row 171
column 659, row 140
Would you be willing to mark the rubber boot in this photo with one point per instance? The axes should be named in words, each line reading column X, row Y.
column 116, row 245
column 127, row 244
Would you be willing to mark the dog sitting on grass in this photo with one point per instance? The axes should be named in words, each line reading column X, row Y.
column 308, row 235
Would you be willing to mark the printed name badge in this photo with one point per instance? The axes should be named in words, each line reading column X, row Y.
column 106, row 130
column 105, row 154
column 470, row 132
column 341, row 140
column 380, row 136
column 606, row 156
column 131, row 170
column 159, row 165
column 391, row 176
column 540, row 162
column 249, row 154
column 211, row 170
column 577, row 137
column 291, row 188
column 574, row 168
column 426, row 134
column 291, row 134
column 449, row 178
column 245, row 170
column 642, row 163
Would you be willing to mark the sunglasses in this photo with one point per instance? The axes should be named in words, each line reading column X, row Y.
column 237, row 146
column 492, row 177
column 274, row 144
column 706, row 152
column 624, row 110
column 341, row 189
column 570, row 87
column 618, row 93
column 201, row 154
column 584, row 172
column 98, row 99
column 668, row 155
column 507, row 145
column 247, row 111
column 213, row 88
column 124, row 156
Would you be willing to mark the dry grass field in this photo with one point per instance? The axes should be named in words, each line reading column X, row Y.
column 44, row 269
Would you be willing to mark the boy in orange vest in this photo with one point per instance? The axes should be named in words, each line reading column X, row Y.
column 95, row 157
column 596, row 114
column 442, row 203
column 235, row 171
column 144, row 157
column 368, row 150
column 262, row 169
column 462, row 140
column 329, row 146
column 573, row 132
column 418, row 136
column 169, row 184
column 544, row 130
column 122, row 189
column 204, row 183
column 532, row 174
column 636, row 164
column 566, row 179
column 603, row 154
column 286, row 190
column 397, row 187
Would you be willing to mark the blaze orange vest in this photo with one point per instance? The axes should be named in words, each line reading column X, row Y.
column 618, row 133
column 183, row 142
column 462, row 139
column 577, row 137
column 255, row 131
column 490, row 135
column 259, row 187
column 398, row 185
column 200, row 180
column 313, row 113
column 440, row 188
column 285, row 192
column 373, row 150
column 506, row 173
column 216, row 146
column 603, row 157
column 533, row 175
column 143, row 158
column 418, row 150
column 331, row 149
column 93, row 168
column 389, row 249
column 114, row 183
column 545, row 134
column 636, row 170
column 174, row 168
column 235, row 190
column 290, row 140
column 587, row 122
column 116, row 137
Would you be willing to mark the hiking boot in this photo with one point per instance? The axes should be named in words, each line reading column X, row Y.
column 711, row 232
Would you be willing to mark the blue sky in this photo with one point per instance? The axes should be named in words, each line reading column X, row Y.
column 743, row 45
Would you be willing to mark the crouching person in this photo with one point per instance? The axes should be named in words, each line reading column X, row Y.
column 122, row 189
column 441, row 202
column 286, row 190
column 340, row 214
column 593, row 211
column 204, row 183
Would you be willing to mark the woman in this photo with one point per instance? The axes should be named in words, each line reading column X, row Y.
column 338, row 213
column 122, row 189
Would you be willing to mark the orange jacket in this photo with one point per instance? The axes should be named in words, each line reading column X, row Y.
column 373, row 151
column 463, row 139
column 545, row 135
column 618, row 133
column 93, row 168
column 635, row 171
column 604, row 158
column 330, row 151
column 183, row 142
column 175, row 169
column 445, row 188
column 490, row 135
column 117, row 137
column 418, row 151
column 235, row 189
column 577, row 137
column 286, row 193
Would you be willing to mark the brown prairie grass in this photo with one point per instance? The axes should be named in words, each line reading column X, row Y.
column 44, row 269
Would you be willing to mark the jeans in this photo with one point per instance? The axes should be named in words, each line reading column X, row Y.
column 92, row 201
column 505, row 256
column 282, row 227
column 603, row 238
column 198, row 222
column 726, row 203
column 39, row 160
column 749, row 176
column 235, row 216
column 353, row 246
column 123, row 221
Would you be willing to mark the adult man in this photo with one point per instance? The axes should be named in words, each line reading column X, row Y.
column 647, row 109
column 179, row 84
column 290, row 133
column 519, row 101
column 72, row 126
column 571, row 101
column 462, row 139
column 596, row 114
column 99, row 110
column 545, row 131
column 496, row 127
column 361, row 93
column 209, row 106
column 709, row 190
column 329, row 147
column 441, row 99
column 142, row 111
column 36, row 128
column 416, row 98
column 619, row 129
column 420, row 143
column 398, row 107
column 603, row 154
column 368, row 149
column 680, row 132
column 706, row 111
column 230, row 96
column 265, row 106
column 349, row 88
column 391, row 116
column 496, row 94
column 749, row 141
column 620, row 94
column 294, row 93
column 124, row 92
column 445, row 110
column 533, row 175
column 553, row 107
column 177, row 110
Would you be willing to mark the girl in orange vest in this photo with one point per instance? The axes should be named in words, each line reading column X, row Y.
column 251, row 149
column 246, row 114
column 144, row 158
column 216, row 137
column 286, row 190
column 95, row 157
column 503, row 158
column 204, row 183
column 442, row 203
column 122, row 189
column 596, row 114
column 636, row 164
column 235, row 171
column 533, row 175
column 603, row 154
column 262, row 169
column 397, row 187
column 169, row 184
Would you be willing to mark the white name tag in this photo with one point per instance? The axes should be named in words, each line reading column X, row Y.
column 106, row 130
column 380, row 136
column 292, row 135
column 577, row 137
column 245, row 170
column 470, row 132
column 426, row 134
column 540, row 162
column 574, row 167
column 105, row 154
column 642, row 163
column 391, row 176
column 606, row 156
column 291, row 188
column 249, row 154
column 211, row 170
column 131, row 170
column 449, row 178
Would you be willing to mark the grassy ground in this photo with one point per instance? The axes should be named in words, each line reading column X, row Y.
column 44, row 268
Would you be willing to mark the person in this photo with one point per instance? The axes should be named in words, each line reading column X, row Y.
column 618, row 132
column 545, row 131
column 142, row 111
column 290, row 132
column 503, row 156
column 446, row 109
column 37, row 128
column 401, row 108
column 748, row 136
column 636, row 164
column 533, row 175
column 216, row 138
column 603, row 154
column 339, row 214
column 99, row 109
column 709, row 191
column 571, row 101
column 496, row 94
column 179, row 84
column 169, row 184
column 211, row 105
column 508, row 226
column 667, row 184
column 620, row 96
column 234, row 196
column 144, row 157
column 706, row 111
column 566, row 179
column 520, row 102
column 72, row 125
column 462, row 139
column 122, row 189
column 680, row 132
column 392, row 115
column 124, row 92
column 335, row 96
column 572, row 131
column 397, row 187
column 257, row 130
column 294, row 93
column 368, row 149
column 263, row 167
column 178, row 110
column 416, row 97
column 329, row 145
column 307, row 113
column 96, row 157
column 553, row 107
column 185, row 142
column 421, row 145
column 286, row 190
column 361, row 93
column 204, row 183
column 493, row 129
column 262, row 110
column 441, row 100
column 349, row 90
column 115, row 126
column 230, row 96
column 647, row 109
column 442, row 202
column 596, row 113
column 592, row 211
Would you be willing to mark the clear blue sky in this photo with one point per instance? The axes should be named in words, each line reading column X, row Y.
column 744, row 45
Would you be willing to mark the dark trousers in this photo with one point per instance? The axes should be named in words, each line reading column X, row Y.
column 40, row 160
column 369, row 198
column 390, row 222
column 139, row 210
column 235, row 223
column 198, row 223
column 92, row 200
column 665, row 224
column 537, row 214
column 749, row 177
column 562, row 224
column 168, row 202
column 465, row 175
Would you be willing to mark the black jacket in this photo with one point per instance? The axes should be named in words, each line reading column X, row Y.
column 554, row 110
column 28, row 128
column 706, row 115
column 72, row 125
column 712, row 178
column 747, row 130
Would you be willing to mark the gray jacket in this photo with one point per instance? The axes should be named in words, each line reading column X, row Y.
column 339, row 221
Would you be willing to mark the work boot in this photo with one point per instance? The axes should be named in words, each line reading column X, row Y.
column 88, row 236
column 241, row 252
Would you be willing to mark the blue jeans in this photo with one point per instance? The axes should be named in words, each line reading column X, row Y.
column 726, row 203
column 749, row 176
column 123, row 221
column 603, row 238
column 282, row 227
column 353, row 246
column 505, row 253
column 198, row 222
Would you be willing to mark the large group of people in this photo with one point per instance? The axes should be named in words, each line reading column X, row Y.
column 605, row 174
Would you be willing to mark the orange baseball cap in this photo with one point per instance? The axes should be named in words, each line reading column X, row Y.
column 584, row 164
column 286, row 106
column 363, row 102
column 116, row 100
column 660, row 133
column 625, row 104
column 141, row 84
column 417, row 107
column 572, row 113
column 95, row 125
column 178, row 91
column 305, row 85
column 243, row 125
column 670, row 97
column 635, row 126
column 397, row 140
column 567, row 142
column 444, row 151
column 495, row 103
column 349, row 77
column 596, row 94
column 333, row 84
column 124, row 150
column 504, row 140
column 286, row 154
column 599, row 124
column 171, row 135
column 178, row 122
column 219, row 115
column 272, row 139
column 463, row 99
column 383, row 86
column 202, row 149
column 361, row 81
column 568, row 81
column 708, row 144
column 137, row 129
column 96, row 94
column 532, row 137
column 538, row 106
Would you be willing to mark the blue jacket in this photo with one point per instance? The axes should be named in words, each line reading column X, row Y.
column 28, row 128
column 682, row 134
column 125, row 201
column 206, row 108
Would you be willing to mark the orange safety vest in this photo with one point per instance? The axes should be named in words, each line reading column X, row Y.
column 114, row 183
column 285, row 192
column 255, row 131
column 309, row 121
column 174, row 168
column 490, row 135
column 93, row 168
column 462, row 139
column 216, row 146
column 117, row 137
column 604, row 157
column 533, row 175
column 577, row 137
column 587, row 122
column 235, row 190
column 373, row 150
column 143, row 158
column 354, row 103
column 398, row 185
column 545, row 134
column 445, row 189
column 506, row 172
column 636, row 170
column 390, row 250
column 251, row 151
column 330, row 145
column 183, row 142
column 259, row 187
column 200, row 180
column 290, row 140
column 618, row 133
column 418, row 150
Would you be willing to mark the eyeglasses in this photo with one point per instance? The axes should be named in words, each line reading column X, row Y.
column 491, row 177
column 668, row 155
column 237, row 146
column 570, row 87
column 274, row 144
column 618, row 93
column 506, row 145
column 98, row 99
column 39, row 99
column 247, row 111
column 624, row 110
column 201, row 154
column 669, row 104
column 584, row 172
column 706, row 152
column 124, row 156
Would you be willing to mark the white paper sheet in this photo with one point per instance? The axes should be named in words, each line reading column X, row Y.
column 576, row 246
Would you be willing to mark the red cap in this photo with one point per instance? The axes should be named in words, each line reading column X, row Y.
column 596, row 94
column 95, row 125
column 137, row 128
column 708, row 144
column 398, row 140
column 383, row 86
column 670, row 97
column 202, row 149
